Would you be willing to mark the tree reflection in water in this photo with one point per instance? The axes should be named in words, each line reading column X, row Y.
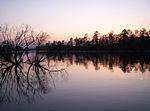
column 126, row 62
column 25, row 76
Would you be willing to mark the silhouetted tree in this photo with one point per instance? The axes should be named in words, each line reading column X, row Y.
column 95, row 37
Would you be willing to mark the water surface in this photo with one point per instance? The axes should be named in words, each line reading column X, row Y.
column 78, row 82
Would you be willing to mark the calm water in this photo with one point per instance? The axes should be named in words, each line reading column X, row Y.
column 77, row 82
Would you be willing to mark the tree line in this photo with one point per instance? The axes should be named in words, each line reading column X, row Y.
column 137, row 40
column 24, row 38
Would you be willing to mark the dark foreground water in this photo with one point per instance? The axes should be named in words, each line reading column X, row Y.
column 77, row 82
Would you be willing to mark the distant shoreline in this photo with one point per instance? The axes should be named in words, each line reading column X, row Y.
column 95, row 51
column 85, row 51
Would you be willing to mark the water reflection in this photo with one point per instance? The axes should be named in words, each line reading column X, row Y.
column 26, row 76
column 126, row 62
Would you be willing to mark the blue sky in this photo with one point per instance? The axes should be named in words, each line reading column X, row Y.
column 63, row 19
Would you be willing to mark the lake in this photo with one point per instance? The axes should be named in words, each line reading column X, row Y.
column 76, row 82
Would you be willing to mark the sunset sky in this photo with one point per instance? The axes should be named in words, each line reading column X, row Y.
column 63, row 19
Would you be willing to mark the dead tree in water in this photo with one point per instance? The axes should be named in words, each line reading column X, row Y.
column 17, row 40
